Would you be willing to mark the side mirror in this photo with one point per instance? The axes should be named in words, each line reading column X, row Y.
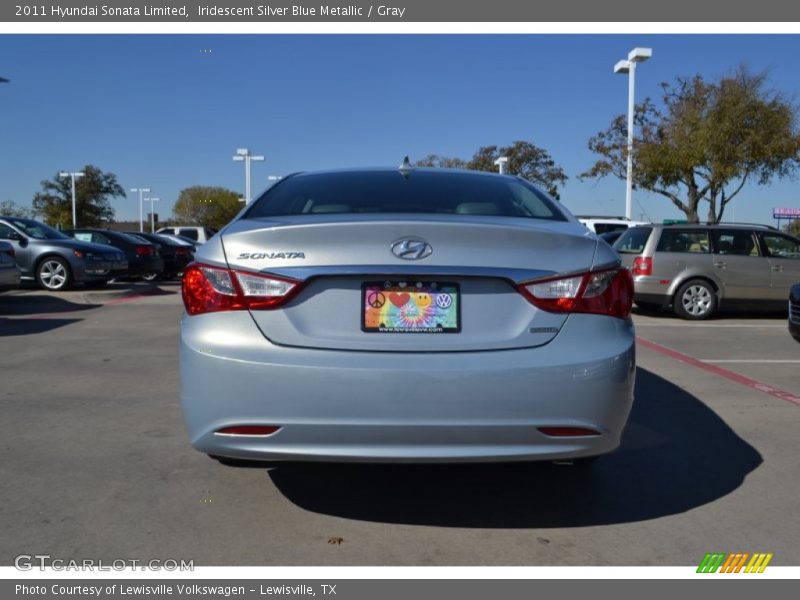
column 17, row 237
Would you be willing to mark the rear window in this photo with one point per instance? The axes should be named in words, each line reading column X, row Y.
column 609, row 227
column 189, row 233
column 692, row 242
column 369, row 192
column 633, row 240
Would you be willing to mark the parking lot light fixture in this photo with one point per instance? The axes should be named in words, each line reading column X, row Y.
column 141, row 205
column 73, row 177
column 501, row 164
column 628, row 67
column 152, row 202
column 243, row 155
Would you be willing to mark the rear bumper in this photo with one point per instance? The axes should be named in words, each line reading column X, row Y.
column 337, row 405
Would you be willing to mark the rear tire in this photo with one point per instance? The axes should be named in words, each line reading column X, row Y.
column 695, row 300
column 53, row 274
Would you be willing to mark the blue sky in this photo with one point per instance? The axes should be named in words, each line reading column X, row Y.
column 164, row 112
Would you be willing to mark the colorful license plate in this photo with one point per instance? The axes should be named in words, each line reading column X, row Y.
column 410, row 307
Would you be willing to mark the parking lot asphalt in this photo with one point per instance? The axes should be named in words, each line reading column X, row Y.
column 96, row 462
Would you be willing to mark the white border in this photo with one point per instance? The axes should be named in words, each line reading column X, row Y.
column 344, row 572
column 222, row 27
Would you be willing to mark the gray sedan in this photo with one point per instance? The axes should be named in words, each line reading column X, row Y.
column 411, row 315
column 56, row 261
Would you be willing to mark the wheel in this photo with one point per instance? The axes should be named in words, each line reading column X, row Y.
column 53, row 274
column 695, row 300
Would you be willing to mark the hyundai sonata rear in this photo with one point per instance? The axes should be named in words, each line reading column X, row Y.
column 407, row 315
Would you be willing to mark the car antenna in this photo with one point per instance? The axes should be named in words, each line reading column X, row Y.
column 406, row 168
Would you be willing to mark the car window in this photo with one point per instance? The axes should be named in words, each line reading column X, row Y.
column 210, row 232
column 608, row 227
column 169, row 230
column 189, row 233
column 421, row 192
column 82, row 237
column 692, row 242
column 36, row 230
column 98, row 238
column 780, row 246
column 5, row 232
column 734, row 242
column 633, row 240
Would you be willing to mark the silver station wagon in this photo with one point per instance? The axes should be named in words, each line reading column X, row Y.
column 699, row 268
column 406, row 315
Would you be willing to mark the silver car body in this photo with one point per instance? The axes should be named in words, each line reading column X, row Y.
column 9, row 272
column 339, row 393
column 735, row 259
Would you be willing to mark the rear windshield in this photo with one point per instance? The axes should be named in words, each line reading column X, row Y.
column 419, row 192
column 633, row 240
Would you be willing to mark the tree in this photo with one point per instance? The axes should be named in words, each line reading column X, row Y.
column 793, row 228
column 524, row 159
column 444, row 162
column 93, row 194
column 705, row 142
column 9, row 208
column 206, row 206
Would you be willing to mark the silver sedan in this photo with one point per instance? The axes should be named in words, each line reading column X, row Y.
column 406, row 315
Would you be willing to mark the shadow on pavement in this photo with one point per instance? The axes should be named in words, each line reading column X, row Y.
column 676, row 455
column 32, row 304
column 11, row 327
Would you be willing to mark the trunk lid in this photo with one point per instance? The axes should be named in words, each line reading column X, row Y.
column 335, row 254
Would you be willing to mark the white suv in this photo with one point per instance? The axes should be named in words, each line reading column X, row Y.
column 197, row 234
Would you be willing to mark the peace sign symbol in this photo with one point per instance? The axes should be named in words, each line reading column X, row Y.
column 376, row 299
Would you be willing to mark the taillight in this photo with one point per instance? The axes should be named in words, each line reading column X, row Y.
column 213, row 289
column 642, row 265
column 598, row 292
column 181, row 252
column 145, row 250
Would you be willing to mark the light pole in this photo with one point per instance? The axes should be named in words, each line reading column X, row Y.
column 501, row 164
column 72, row 177
column 141, row 205
column 636, row 55
column 152, row 202
column 243, row 154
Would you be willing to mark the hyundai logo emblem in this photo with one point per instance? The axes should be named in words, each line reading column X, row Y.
column 411, row 248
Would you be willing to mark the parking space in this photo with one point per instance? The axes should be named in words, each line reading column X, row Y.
column 97, row 462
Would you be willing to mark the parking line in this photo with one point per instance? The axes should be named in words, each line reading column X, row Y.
column 736, row 377
column 760, row 361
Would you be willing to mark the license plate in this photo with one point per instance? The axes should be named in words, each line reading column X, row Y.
column 410, row 307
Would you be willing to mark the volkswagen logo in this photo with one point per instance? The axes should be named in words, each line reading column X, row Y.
column 411, row 248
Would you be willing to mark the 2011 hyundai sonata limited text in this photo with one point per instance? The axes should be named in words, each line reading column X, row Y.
column 406, row 315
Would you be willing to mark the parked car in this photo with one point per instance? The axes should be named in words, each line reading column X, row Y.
column 600, row 224
column 794, row 311
column 9, row 272
column 55, row 260
column 176, row 255
column 198, row 234
column 699, row 268
column 414, row 315
column 180, row 240
column 142, row 256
